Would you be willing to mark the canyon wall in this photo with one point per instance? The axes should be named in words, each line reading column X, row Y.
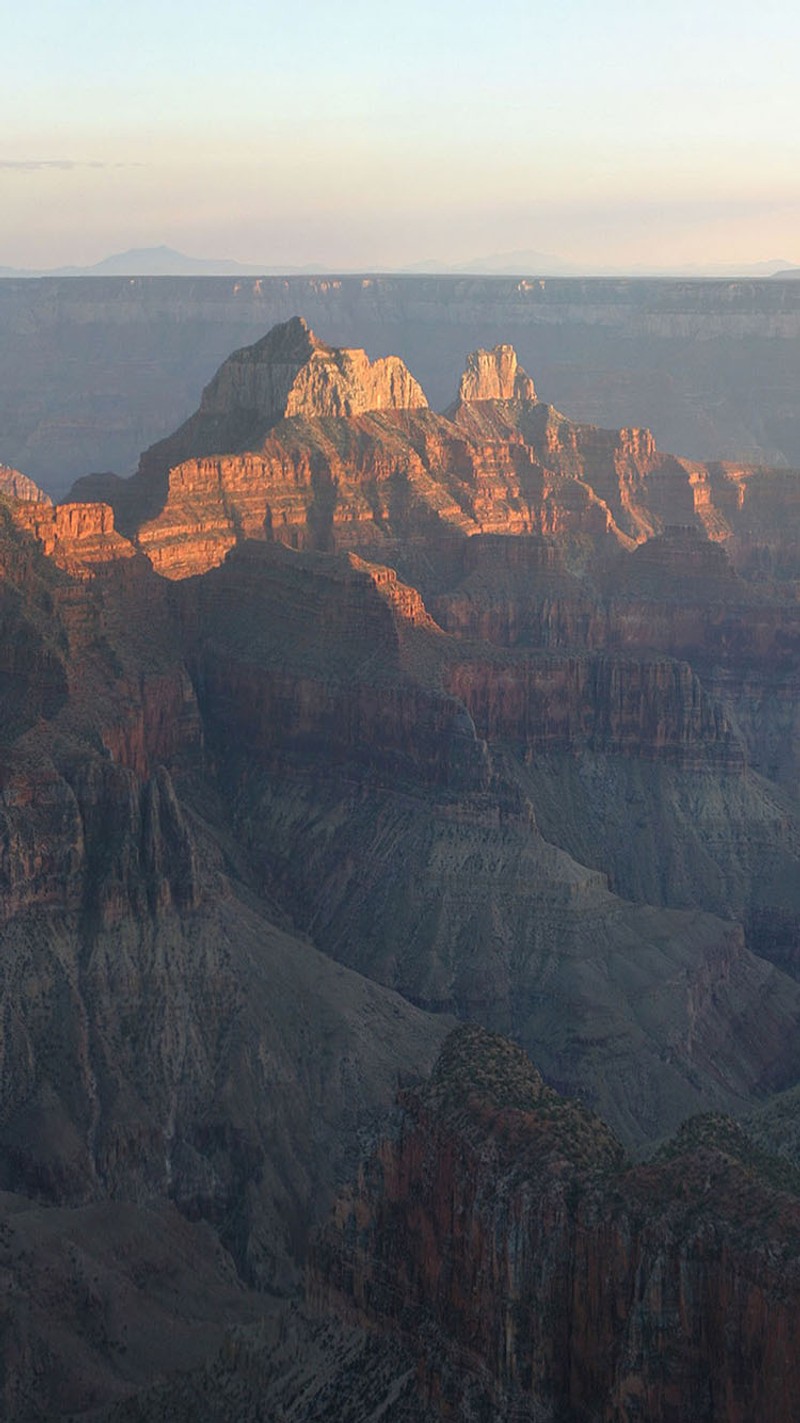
column 355, row 720
column 93, row 370
column 499, row 1229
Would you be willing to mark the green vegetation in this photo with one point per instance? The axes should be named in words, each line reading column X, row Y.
column 714, row 1132
column 483, row 1079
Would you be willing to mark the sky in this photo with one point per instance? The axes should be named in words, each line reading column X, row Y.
column 369, row 135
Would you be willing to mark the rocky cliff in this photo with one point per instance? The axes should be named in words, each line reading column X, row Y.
column 288, row 373
column 77, row 537
column 498, row 1229
column 655, row 709
column 313, row 739
column 92, row 371
column 157, row 1016
column 495, row 375
column 297, row 442
column 18, row 486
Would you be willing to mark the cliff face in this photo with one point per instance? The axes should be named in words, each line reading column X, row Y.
column 499, row 1231
column 431, row 711
column 301, row 443
column 495, row 375
column 77, row 537
column 677, row 596
column 291, row 372
column 93, row 371
column 18, row 486
column 363, row 485
column 647, row 708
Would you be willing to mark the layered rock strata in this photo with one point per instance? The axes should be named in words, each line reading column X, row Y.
column 495, row 375
column 499, row 1229
column 18, row 486
column 298, row 442
column 471, row 705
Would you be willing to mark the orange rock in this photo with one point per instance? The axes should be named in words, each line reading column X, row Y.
column 78, row 537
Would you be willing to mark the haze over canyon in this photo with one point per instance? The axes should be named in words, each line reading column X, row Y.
column 400, row 853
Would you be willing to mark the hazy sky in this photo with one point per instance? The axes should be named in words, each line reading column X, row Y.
column 369, row 134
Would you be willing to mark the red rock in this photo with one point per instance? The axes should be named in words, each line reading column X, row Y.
column 499, row 1233
column 495, row 375
column 18, row 486
column 298, row 442
column 78, row 537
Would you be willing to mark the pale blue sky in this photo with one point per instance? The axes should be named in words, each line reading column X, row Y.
column 360, row 134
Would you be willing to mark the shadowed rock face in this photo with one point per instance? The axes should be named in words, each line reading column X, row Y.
column 165, row 1031
column 487, row 715
column 329, row 699
column 499, row 1228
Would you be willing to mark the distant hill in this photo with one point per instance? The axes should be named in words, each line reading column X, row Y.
column 163, row 261
column 160, row 262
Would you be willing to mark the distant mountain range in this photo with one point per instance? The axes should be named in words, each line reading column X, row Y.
column 167, row 262
column 161, row 262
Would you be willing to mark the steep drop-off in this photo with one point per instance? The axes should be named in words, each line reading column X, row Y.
column 317, row 448
column 94, row 370
column 369, row 717
column 166, row 1037
column 498, row 1230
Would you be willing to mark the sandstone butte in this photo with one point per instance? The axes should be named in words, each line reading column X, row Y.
column 499, row 713
column 320, row 448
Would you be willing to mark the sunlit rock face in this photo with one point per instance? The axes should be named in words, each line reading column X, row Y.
column 355, row 720
column 18, row 486
column 289, row 373
column 495, row 375
column 301, row 443
column 78, row 537
column 292, row 372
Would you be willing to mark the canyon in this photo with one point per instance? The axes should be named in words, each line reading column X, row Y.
column 338, row 722
column 93, row 370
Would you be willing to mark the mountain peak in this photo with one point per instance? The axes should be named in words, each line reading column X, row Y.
column 495, row 375
column 18, row 486
column 291, row 372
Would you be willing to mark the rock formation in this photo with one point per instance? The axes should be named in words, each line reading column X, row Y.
column 299, row 443
column 339, row 721
column 18, row 486
column 92, row 372
column 499, row 1228
column 495, row 375
column 78, row 537
column 289, row 373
